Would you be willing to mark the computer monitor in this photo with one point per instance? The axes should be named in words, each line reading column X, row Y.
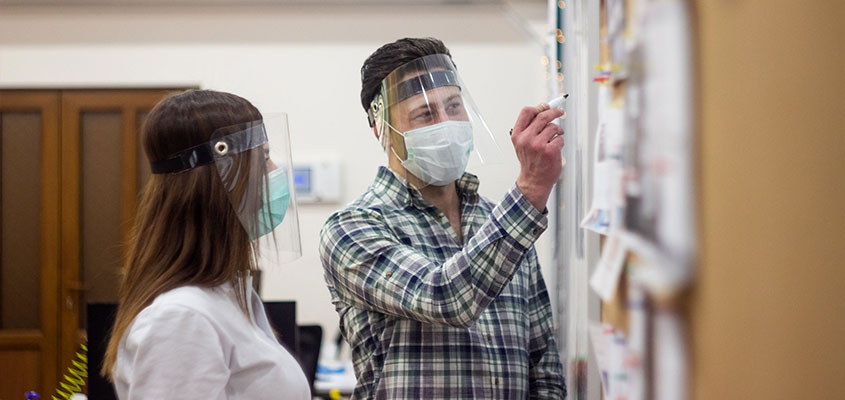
column 282, row 317
column 308, row 353
column 100, row 321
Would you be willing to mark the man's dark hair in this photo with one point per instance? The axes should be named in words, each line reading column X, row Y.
column 391, row 56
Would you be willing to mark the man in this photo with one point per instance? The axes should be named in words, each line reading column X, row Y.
column 439, row 291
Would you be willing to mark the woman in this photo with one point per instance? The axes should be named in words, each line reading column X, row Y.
column 189, row 324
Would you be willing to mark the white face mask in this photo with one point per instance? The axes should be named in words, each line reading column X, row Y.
column 438, row 154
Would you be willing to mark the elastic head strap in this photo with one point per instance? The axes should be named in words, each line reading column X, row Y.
column 193, row 157
column 205, row 153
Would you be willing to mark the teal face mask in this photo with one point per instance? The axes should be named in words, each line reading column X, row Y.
column 273, row 212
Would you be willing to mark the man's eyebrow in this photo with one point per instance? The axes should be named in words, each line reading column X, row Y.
column 452, row 97
column 424, row 106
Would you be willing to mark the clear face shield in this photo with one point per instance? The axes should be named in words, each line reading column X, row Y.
column 426, row 117
column 254, row 165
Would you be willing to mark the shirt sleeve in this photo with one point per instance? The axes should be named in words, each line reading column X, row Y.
column 367, row 266
column 174, row 352
column 546, row 379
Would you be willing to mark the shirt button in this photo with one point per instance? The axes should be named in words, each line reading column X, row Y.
column 388, row 274
column 496, row 381
column 536, row 231
column 489, row 337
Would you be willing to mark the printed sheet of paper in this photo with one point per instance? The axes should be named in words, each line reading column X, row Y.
column 607, row 200
column 620, row 368
column 609, row 268
column 670, row 365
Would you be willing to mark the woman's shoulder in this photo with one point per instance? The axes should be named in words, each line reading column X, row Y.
column 188, row 303
column 193, row 296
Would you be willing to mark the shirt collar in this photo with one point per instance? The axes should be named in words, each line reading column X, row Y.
column 391, row 185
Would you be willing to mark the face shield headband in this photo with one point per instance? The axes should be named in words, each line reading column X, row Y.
column 205, row 153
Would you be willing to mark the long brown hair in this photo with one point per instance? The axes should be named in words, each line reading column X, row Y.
column 186, row 231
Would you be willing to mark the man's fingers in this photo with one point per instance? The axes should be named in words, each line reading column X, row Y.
column 526, row 115
column 549, row 132
column 544, row 118
column 557, row 141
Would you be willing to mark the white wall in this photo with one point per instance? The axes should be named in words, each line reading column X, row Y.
column 304, row 61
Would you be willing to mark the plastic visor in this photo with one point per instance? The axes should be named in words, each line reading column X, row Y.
column 253, row 161
column 427, row 97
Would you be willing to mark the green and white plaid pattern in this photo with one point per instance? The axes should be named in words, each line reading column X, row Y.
column 428, row 317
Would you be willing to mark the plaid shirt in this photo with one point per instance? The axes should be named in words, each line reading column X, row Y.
column 429, row 317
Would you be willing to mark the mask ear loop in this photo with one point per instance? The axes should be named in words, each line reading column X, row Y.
column 405, row 180
column 390, row 144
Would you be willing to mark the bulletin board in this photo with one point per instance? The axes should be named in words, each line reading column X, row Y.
column 730, row 285
column 642, row 200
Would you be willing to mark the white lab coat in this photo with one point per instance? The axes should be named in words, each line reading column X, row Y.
column 196, row 343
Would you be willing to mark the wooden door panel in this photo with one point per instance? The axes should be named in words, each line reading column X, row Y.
column 19, row 249
column 20, row 368
column 29, row 263
column 100, row 213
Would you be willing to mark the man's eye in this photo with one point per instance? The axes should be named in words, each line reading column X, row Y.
column 456, row 109
column 424, row 116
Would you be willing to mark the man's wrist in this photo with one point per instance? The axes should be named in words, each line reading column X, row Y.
column 536, row 196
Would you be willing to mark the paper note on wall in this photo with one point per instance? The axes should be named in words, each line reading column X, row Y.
column 620, row 367
column 606, row 276
column 670, row 357
column 607, row 200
